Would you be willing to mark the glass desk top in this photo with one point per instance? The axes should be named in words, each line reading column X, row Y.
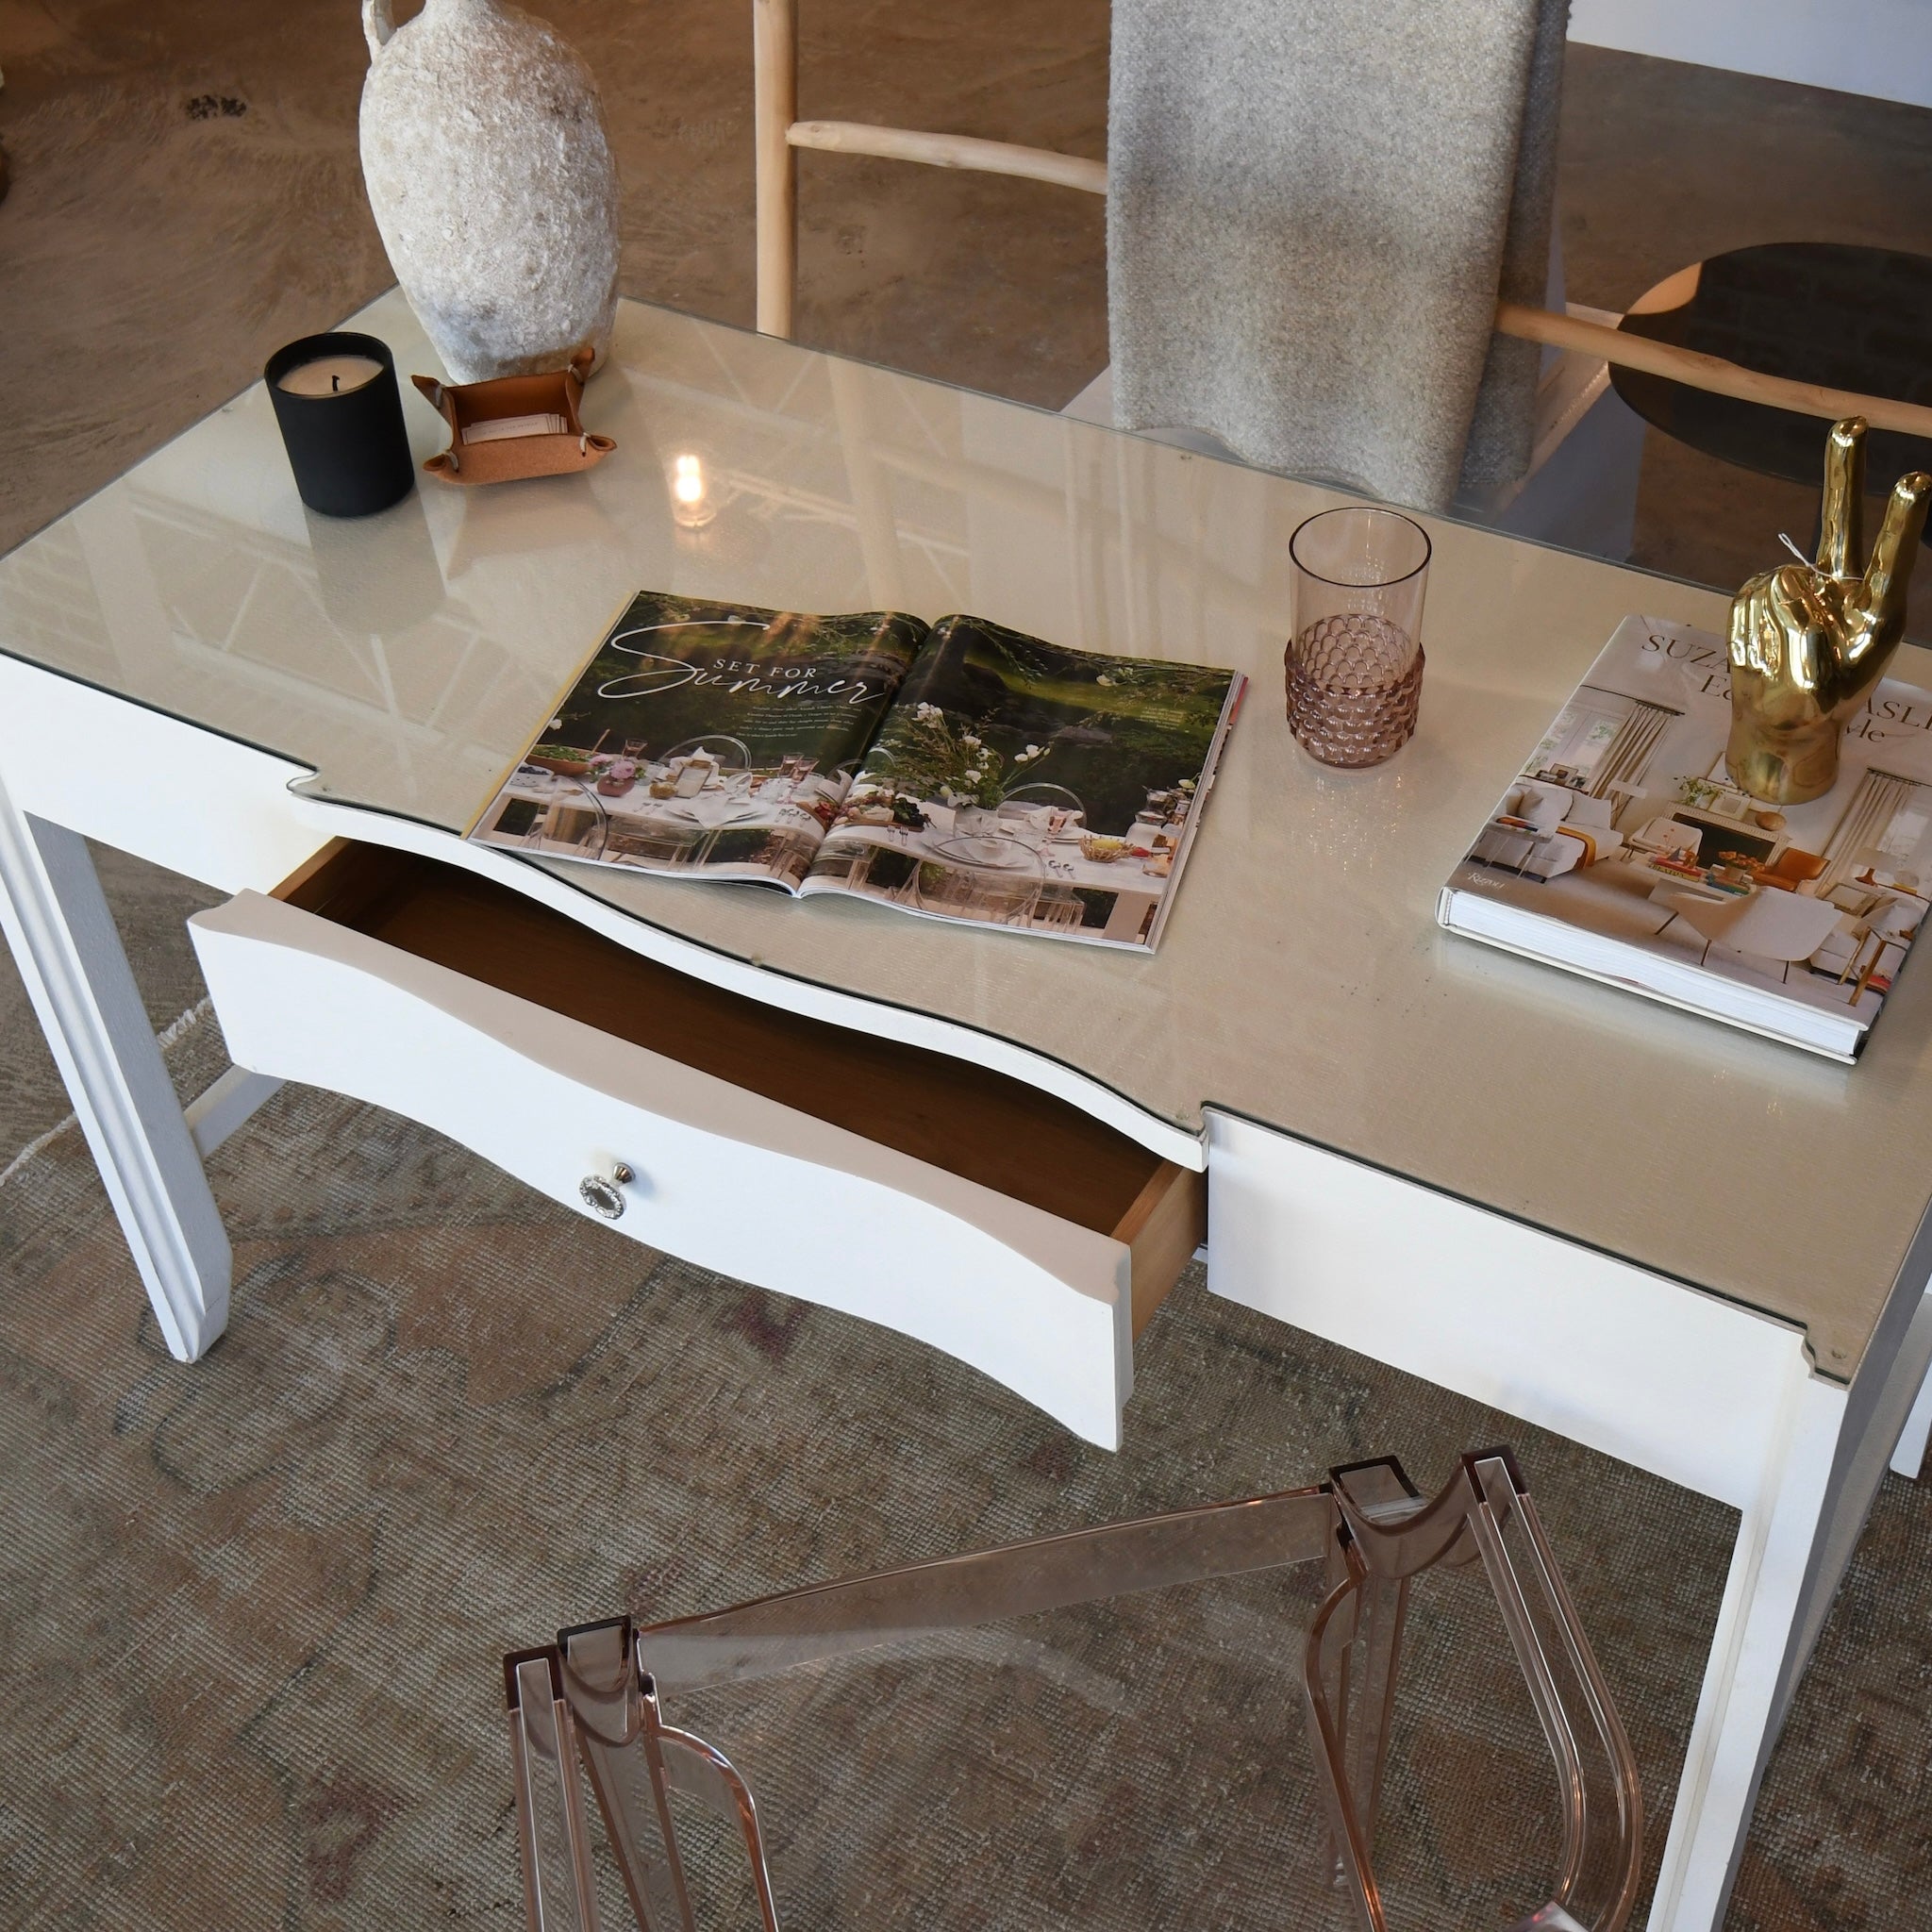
column 1303, row 982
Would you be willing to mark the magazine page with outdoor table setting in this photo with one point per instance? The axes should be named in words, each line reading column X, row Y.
column 963, row 771
column 1020, row 784
column 703, row 738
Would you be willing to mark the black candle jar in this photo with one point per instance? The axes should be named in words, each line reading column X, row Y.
column 346, row 441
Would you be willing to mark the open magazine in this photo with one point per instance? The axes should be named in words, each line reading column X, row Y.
column 1624, row 851
column 959, row 770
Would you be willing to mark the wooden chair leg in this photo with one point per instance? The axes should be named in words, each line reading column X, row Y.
column 775, row 108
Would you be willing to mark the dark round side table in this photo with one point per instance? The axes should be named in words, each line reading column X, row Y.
column 1815, row 311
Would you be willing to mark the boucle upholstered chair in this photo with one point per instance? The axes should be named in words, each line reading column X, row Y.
column 1578, row 440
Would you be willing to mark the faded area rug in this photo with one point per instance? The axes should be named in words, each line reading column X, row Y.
column 253, row 1608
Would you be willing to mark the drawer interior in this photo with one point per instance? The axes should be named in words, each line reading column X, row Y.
column 964, row 1119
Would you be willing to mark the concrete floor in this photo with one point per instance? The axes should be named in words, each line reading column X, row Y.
column 185, row 197
column 1665, row 164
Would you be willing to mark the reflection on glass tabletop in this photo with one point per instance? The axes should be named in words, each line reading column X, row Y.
column 1823, row 313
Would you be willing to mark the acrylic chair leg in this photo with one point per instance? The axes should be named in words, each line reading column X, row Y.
column 1335, row 1741
column 1363, row 1692
column 693, row 1767
column 552, row 1839
column 1373, row 1666
column 70, row 956
column 626, row 1772
column 1335, row 1689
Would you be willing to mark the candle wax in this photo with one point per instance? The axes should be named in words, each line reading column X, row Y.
column 330, row 376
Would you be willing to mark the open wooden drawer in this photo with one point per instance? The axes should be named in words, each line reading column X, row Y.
column 951, row 1202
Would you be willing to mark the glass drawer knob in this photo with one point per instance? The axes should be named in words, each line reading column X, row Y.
column 601, row 1193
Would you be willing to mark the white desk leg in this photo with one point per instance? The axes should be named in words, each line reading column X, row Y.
column 1909, row 1455
column 1827, row 1460
column 1738, row 1707
column 69, row 954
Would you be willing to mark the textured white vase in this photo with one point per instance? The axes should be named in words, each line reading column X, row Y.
column 489, row 172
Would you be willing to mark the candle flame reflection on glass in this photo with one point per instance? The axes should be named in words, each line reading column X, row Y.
column 691, row 503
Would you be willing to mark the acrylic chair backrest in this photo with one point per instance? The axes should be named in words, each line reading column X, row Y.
column 1349, row 1672
column 596, row 1696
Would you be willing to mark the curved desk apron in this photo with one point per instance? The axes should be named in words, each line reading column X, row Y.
column 1600, row 1215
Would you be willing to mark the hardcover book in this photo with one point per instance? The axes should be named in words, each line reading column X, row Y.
column 959, row 770
column 1624, row 851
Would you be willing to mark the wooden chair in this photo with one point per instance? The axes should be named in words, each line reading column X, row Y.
column 1060, row 910
column 778, row 133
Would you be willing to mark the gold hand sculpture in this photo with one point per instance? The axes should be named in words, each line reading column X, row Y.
column 1809, row 640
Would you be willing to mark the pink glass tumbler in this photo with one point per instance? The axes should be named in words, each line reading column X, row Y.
column 1355, row 666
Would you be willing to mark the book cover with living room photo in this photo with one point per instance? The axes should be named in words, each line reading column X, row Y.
column 1625, row 851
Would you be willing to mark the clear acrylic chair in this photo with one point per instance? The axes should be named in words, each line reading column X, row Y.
column 1349, row 1672
column 595, row 1700
column 1028, row 799
column 730, row 753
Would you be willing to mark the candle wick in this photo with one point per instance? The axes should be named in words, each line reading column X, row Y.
column 336, row 383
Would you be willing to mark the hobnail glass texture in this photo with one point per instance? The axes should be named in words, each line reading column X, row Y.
column 1355, row 666
column 1354, row 685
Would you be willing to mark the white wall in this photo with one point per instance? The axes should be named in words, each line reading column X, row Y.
column 1881, row 47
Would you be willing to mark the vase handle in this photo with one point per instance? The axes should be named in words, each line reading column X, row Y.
column 378, row 24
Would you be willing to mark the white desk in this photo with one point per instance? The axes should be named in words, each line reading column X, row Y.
column 1451, row 1160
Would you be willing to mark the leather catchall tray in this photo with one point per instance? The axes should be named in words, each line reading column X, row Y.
column 517, row 425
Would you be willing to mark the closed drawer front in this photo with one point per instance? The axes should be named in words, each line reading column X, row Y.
column 950, row 1203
